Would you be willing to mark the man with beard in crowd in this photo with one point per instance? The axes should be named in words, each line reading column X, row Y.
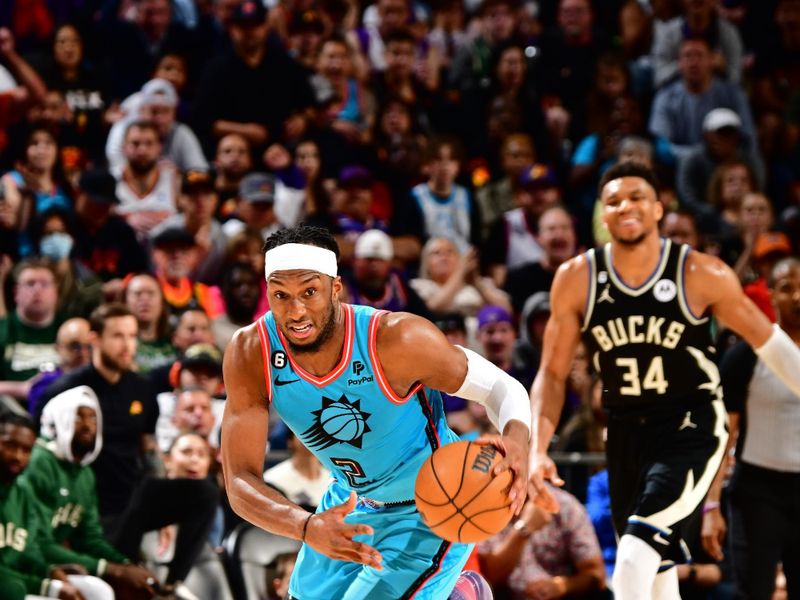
column 241, row 290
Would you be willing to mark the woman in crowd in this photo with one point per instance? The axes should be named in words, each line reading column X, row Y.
column 144, row 297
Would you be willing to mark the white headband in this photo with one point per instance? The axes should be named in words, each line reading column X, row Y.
column 288, row 257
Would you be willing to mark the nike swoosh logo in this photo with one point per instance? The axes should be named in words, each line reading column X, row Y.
column 279, row 382
column 657, row 537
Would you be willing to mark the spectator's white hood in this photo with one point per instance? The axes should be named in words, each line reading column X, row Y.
column 58, row 422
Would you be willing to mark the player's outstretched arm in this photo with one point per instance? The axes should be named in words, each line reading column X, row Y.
column 244, row 438
column 412, row 350
column 713, row 284
column 561, row 337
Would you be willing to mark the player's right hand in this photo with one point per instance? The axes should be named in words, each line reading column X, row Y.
column 328, row 534
column 544, row 469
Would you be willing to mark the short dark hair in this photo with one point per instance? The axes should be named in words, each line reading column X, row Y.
column 34, row 262
column 141, row 124
column 104, row 312
column 444, row 141
column 303, row 234
column 628, row 168
column 17, row 420
column 402, row 36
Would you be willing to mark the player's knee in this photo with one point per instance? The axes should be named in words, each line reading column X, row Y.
column 92, row 588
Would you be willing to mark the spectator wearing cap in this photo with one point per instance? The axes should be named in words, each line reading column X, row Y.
column 256, row 206
column 680, row 107
column 768, row 249
column 241, row 290
column 198, row 203
column 305, row 31
column 147, row 187
column 700, row 19
column 175, row 259
column 533, row 319
column 237, row 93
column 439, row 206
column 722, row 143
column 512, row 241
column 556, row 236
column 104, row 242
column 450, row 282
column 158, row 103
column 497, row 336
column 373, row 281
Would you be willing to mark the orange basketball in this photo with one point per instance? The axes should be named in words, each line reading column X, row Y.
column 458, row 496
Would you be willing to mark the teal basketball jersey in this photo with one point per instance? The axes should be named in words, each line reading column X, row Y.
column 372, row 440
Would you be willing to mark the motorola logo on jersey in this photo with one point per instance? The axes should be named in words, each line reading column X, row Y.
column 665, row 290
column 337, row 422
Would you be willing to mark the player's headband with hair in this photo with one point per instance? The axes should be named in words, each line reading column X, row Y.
column 289, row 257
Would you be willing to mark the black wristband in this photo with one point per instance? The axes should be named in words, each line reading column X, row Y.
column 305, row 528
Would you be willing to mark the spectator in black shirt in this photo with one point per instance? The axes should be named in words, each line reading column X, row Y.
column 127, row 402
column 254, row 88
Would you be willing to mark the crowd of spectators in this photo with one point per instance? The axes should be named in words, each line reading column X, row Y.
column 147, row 148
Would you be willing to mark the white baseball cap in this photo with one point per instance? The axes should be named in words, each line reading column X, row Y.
column 374, row 243
column 159, row 92
column 720, row 118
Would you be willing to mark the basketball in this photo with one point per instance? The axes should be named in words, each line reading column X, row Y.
column 458, row 496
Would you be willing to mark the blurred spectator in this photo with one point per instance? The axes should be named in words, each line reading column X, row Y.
column 756, row 217
column 158, row 103
column 79, row 290
column 495, row 198
column 450, row 281
column 256, row 206
column 374, row 283
column 532, row 318
column 28, row 333
column 104, row 242
column 543, row 555
column 399, row 79
column 308, row 162
column 237, row 95
column 497, row 336
column 611, row 83
column 762, row 410
column 128, row 407
column 556, row 237
column 598, row 506
column 569, row 55
column 729, row 183
column 191, row 413
column 284, row 566
column 20, row 84
column 74, row 351
column 305, row 32
column 147, row 188
column 246, row 247
column 175, row 258
column 198, row 203
column 722, row 142
column 144, row 297
column 82, row 85
column 447, row 33
column 700, row 19
column 232, row 162
column 352, row 113
column 768, row 249
column 440, row 206
column 512, row 241
column 681, row 227
column 241, row 291
column 39, row 171
column 301, row 477
column 680, row 107
column 61, row 477
column 26, row 572
column 370, row 39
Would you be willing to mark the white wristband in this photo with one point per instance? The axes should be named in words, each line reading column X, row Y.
column 54, row 588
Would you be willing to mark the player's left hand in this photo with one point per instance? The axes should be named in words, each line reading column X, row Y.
column 513, row 445
column 713, row 533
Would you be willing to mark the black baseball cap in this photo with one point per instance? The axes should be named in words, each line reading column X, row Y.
column 250, row 11
column 196, row 178
column 173, row 236
column 202, row 355
column 99, row 185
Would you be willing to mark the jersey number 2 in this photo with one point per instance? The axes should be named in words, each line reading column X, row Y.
column 351, row 470
column 653, row 379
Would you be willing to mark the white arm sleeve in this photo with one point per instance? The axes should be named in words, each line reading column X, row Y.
column 504, row 397
column 782, row 355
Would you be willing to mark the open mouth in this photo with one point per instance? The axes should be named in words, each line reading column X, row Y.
column 301, row 331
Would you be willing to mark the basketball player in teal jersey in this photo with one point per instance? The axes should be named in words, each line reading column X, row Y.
column 643, row 305
column 358, row 387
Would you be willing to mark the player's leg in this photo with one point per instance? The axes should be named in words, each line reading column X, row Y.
column 635, row 569
column 666, row 585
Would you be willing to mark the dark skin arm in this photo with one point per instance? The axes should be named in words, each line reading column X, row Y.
column 411, row 350
column 561, row 337
column 244, row 437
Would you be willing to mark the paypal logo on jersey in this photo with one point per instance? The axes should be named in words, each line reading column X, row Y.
column 358, row 368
